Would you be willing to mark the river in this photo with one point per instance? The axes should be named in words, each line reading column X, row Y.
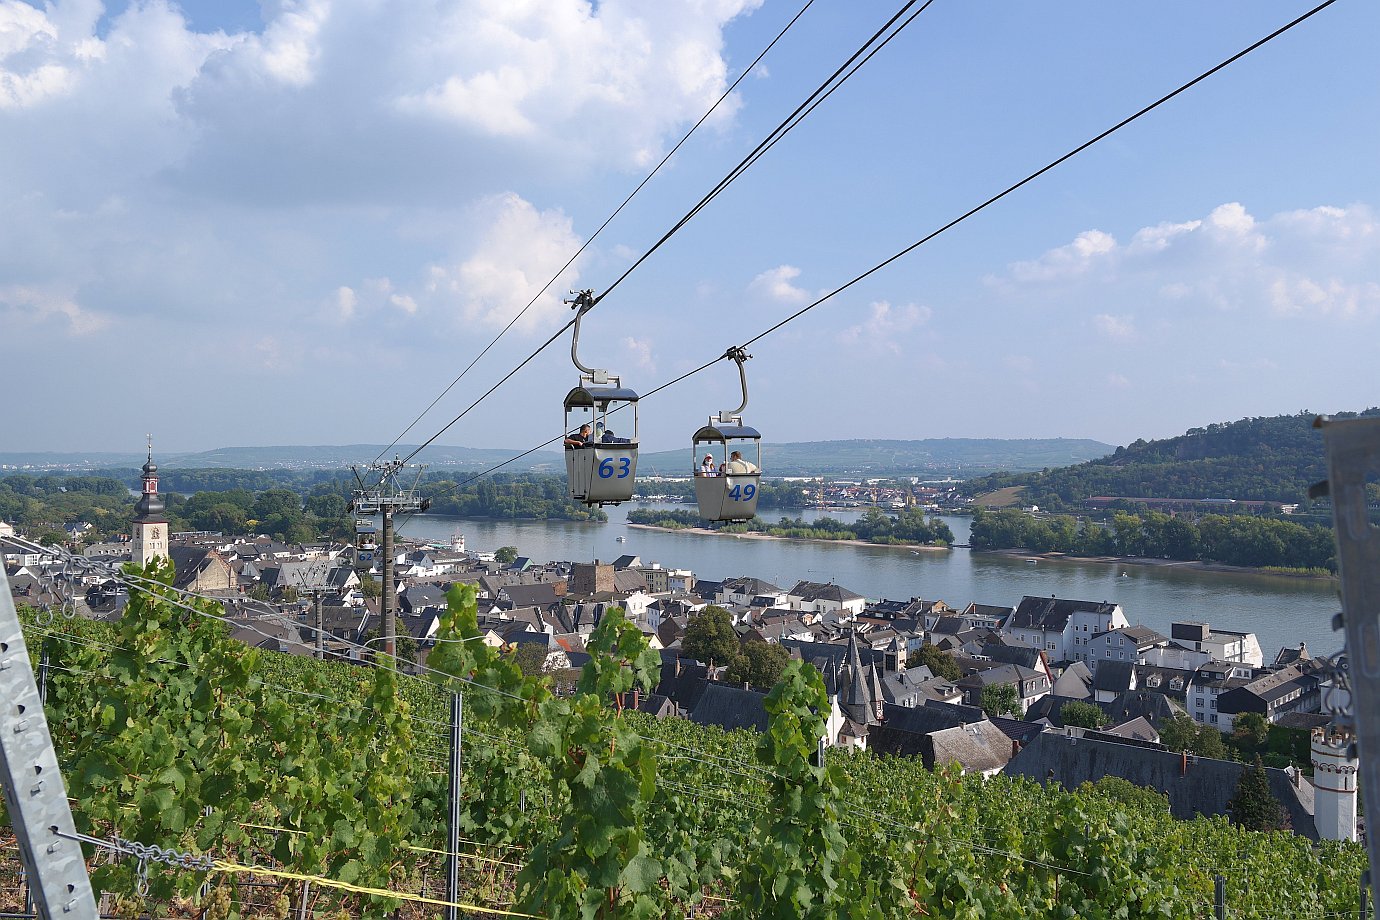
column 1278, row 609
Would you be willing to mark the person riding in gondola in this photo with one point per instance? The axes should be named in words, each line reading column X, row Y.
column 580, row 439
column 707, row 467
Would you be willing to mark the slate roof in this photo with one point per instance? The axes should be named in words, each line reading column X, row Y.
column 1052, row 613
column 730, row 708
column 1152, row 706
column 1114, row 676
column 1075, row 683
column 542, row 595
column 815, row 591
column 1195, row 786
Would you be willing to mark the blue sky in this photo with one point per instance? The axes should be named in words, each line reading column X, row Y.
column 233, row 223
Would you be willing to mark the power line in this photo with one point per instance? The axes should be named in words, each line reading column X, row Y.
column 608, row 220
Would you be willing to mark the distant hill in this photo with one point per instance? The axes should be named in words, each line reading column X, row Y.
column 285, row 457
column 1274, row 458
column 959, row 458
column 935, row 457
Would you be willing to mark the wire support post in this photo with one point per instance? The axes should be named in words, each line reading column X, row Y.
column 388, row 498
column 1353, row 461
column 34, row 791
column 457, row 723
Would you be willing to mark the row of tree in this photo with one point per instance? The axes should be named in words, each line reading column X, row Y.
column 910, row 527
column 1228, row 539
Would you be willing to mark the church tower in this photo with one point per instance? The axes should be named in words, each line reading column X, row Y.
column 150, row 527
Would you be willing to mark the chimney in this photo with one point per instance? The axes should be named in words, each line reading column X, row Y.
column 637, row 697
column 1183, row 763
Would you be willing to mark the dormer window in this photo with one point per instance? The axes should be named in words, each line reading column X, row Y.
column 1176, row 683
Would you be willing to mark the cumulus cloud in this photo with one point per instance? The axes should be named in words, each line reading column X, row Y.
column 1116, row 328
column 885, row 325
column 1318, row 262
column 31, row 306
column 346, row 301
column 519, row 250
column 775, row 284
column 640, row 351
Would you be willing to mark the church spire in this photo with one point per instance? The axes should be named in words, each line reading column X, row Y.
column 150, row 527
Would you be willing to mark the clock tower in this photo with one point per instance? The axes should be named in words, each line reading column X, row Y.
column 150, row 527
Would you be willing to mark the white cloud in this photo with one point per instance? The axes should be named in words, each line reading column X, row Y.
column 1118, row 381
column 885, row 325
column 404, row 303
column 1319, row 262
column 775, row 284
column 640, row 350
column 518, row 251
column 1074, row 259
column 33, row 306
column 346, row 301
column 1116, row 328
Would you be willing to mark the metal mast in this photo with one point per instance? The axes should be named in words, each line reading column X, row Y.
column 387, row 499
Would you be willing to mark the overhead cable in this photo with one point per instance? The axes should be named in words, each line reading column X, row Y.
column 823, row 91
column 826, row 88
column 608, row 220
column 948, row 226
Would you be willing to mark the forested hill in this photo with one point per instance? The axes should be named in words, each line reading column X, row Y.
column 1271, row 459
column 931, row 457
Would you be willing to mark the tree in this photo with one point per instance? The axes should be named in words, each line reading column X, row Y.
column 709, row 637
column 760, row 664
column 1251, row 728
column 1179, row 733
column 259, row 591
column 369, row 586
column 1254, row 807
column 530, row 658
column 1001, row 700
column 1082, row 715
column 1209, row 743
column 940, row 663
column 52, row 538
column 506, row 554
column 288, row 595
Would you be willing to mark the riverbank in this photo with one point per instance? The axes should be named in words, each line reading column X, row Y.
column 913, row 547
column 1144, row 562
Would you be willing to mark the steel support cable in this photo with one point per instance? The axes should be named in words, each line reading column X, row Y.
column 1044, row 169
column 790, row 122
column 955, row 222
column 776, row 134
column 608, row 220
column 485, row 395
column 796, row 119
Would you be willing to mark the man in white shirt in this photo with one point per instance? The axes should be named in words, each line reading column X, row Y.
column 736, row 464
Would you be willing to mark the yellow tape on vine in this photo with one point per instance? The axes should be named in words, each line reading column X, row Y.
column 232, row 868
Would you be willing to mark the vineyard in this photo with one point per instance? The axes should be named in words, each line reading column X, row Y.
column 322, row 789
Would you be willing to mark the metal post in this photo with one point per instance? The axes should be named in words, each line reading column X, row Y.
column 34, row 791
column 1353, row 453
column 390, row 595
column 457, row 714
column 320, row 626
column 1220, row 896
column 302, row 907
column 1364, row 912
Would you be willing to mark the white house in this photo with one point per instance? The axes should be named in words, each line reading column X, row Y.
column 813, row 597
column 1220, row 644
column 1063, row 628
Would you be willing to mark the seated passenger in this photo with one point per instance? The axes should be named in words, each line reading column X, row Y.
column 737, row 465
column 581, row 439
column 707, row 466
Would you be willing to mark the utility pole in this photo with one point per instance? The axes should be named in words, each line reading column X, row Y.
column 387, row 499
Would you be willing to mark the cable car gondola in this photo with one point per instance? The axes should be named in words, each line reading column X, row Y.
column 600, row 466
column 727, row 489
